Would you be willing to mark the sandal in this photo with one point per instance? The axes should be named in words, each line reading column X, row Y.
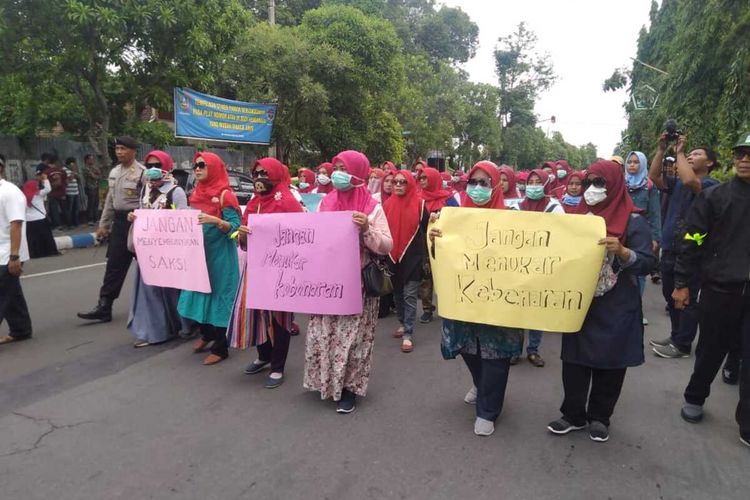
column 536, row 360
column 399, row 332
column 7, row 339
column 141, row 343
column 200, row 346
column 407, row 345
column 212, row 359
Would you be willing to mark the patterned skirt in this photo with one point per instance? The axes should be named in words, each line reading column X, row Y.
column 338, row 352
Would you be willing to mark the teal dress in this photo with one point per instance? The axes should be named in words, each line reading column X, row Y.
column 215, row 308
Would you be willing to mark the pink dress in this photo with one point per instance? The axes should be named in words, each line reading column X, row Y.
column 338, row 349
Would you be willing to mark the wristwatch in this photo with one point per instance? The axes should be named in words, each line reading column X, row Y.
column 13, row 258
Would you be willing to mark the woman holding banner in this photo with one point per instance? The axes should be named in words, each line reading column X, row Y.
column 220, row 217
column 407, row 220
column 486, row 349
column 338, row 349
column 153, row 317
column 269, row 331
column 611, row 339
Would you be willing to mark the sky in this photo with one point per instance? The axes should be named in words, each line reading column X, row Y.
column 586, row 39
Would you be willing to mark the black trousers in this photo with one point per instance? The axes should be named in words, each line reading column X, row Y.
column 490, row 378
column 118, row 258
column 218, row 335
column 725, row 324
column 277, row 352
column 684, row 322
column 13, row 307
column 604, row 385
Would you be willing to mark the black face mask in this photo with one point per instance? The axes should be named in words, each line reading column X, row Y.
column 263, row 185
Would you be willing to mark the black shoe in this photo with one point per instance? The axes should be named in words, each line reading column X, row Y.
column 273, row 383
column 562, row 426
column 256, row 366
column 347, row 404
column 102, row 312
column 426, row 317
column 745, row 439
column 514, row 360
column 598, row 432
column 730, row 377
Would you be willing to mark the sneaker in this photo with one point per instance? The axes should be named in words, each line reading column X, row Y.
column 562, row 426
column 745, row 439
column 691, row 413
column 670, row 351
column 347, row 404
column 256, row 366
column 730, row 377
column 660, row 343
column 483, row 427
column 598, row 432
column 274, row 380
column 471, row 396
column 426, row 317
column 536, row 360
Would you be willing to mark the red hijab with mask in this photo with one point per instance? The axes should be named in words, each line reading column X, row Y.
column 358, row 197
column 496, row 200
column 510, row 174
column 328, row 167
column 541, row 204
column 214, row 193
column 278, row 199
column 404, row 214
column 308, row 176
column 617, row 206
column 434, row 195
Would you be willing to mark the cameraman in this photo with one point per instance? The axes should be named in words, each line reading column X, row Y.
column 692, row 177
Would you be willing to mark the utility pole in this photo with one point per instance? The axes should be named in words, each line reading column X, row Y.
column 271, row 12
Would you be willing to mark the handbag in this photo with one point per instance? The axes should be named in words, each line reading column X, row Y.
column 376, row 278
column 607, row 276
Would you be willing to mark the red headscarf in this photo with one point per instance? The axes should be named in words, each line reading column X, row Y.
column 388, row 173
column 358, row 198
column 30, row 189
column 497, row 200
column 309, row 177
column 541, row 204
column 434, row 195
column 207, row 195
column 522, row 176
column 510, row 174
column 575, row 174
column 328, row 167
column 404, row 214
column 388, row 165
column 617, row 207
column 279, row 199
column 166, row 161
column 460, row 185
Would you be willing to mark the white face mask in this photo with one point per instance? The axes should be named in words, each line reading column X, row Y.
column 595, row 195
column 323, row 179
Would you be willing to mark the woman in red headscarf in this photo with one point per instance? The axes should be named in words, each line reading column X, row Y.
column 486, row 349
column 338, row 349
column 306, row 180
column 153, row 315
column 573, row 191
column 522, row 177
column 39, row 236
column 386, row 187
column 269, row 331
column 323, row 180
column 611, row 339
column 436, row 197
column 376, row 180
column 220, row 218
column 508, row 181
column 407, row 219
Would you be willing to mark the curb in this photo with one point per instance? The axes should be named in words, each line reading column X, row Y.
column 84, row 240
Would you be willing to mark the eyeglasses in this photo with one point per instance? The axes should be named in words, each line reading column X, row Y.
column 153, row 165
column 399, row 182
column 260, row 173
column 740, row 153
column 598, row 182
column 200, row 165
column 479, row 182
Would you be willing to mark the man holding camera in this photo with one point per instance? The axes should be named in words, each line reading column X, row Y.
column 692, row 177
column 716, row 245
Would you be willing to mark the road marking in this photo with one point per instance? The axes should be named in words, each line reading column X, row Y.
column 58, row 271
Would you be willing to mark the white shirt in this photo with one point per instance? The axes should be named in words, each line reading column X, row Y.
column 12, row 208
column 37, row 211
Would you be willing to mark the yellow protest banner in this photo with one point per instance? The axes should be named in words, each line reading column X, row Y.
column 517, row 269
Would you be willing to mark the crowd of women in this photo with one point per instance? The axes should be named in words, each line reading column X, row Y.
column 393, row 210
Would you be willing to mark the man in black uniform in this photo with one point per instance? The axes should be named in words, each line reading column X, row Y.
column 125, row 182
column 717, row 244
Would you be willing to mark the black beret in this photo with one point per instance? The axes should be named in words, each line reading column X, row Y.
column 127, row 141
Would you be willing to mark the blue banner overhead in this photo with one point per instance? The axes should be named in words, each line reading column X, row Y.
column 201, row 116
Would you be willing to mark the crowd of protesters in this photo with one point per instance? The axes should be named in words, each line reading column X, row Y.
column 670, row 219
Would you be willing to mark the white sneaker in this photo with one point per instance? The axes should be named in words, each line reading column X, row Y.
column 484, row 427
column 471, row 396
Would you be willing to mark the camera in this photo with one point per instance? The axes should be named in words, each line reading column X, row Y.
column 672, row 129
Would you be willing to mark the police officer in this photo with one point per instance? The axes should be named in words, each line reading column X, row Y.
column 717, row 245
column 125, row 182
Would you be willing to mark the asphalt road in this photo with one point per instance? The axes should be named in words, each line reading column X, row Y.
column 83, row 415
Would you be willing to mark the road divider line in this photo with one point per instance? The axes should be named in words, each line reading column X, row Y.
column 58, row 271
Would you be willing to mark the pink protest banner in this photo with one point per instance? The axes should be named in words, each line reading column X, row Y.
column 169, row 247
column 304, row 262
